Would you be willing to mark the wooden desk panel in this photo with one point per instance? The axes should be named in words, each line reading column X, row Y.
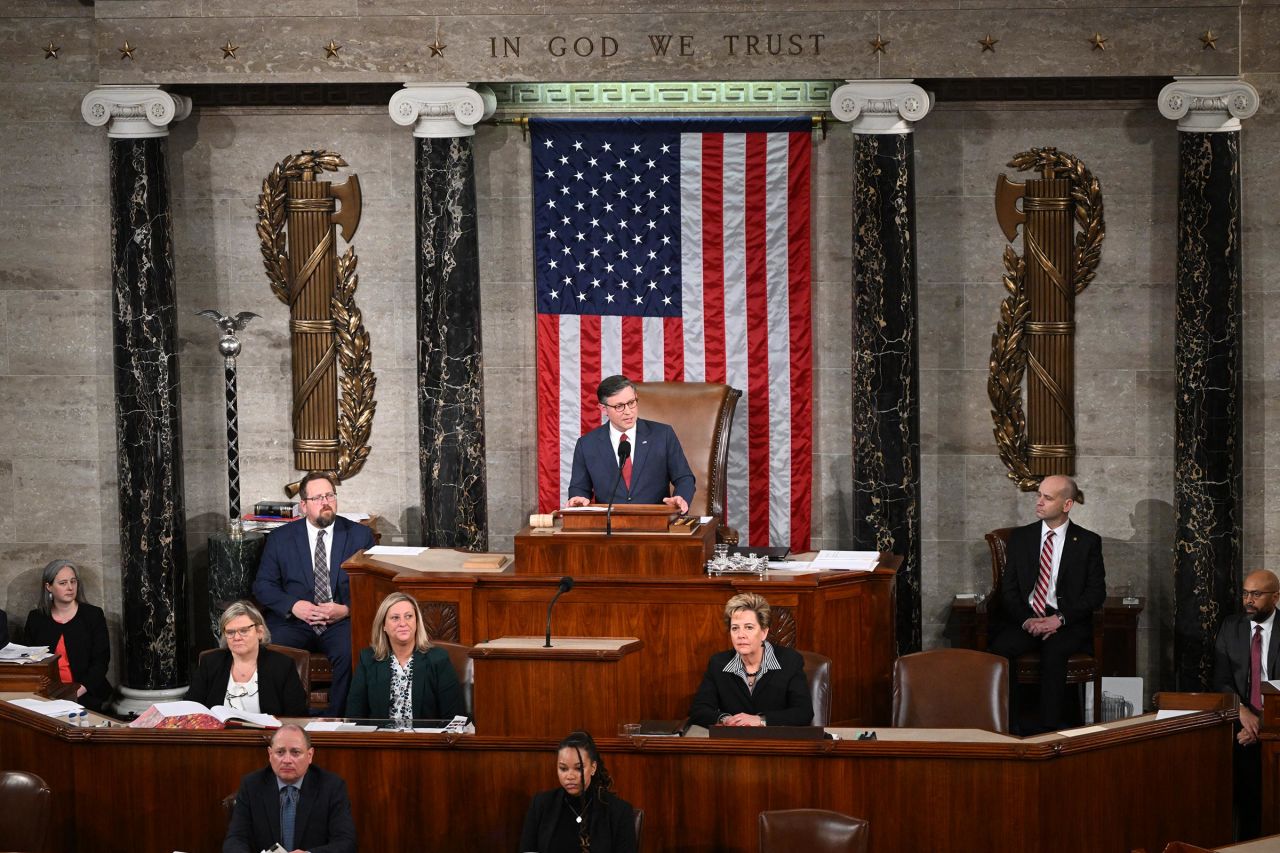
column 1104, row 793
column 630, row 554
column 847, row 616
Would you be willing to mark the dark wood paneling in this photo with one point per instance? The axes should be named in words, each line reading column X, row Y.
column 1137, row 786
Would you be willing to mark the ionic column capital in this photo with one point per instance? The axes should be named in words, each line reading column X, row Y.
column 441, row 110
column 134, row 112
column 1208, row 104
column 880, row 106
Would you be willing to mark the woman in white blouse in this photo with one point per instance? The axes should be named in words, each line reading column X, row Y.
column 244, row 674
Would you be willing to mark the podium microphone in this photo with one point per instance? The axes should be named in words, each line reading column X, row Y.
column 566, row 584
column 624, row 453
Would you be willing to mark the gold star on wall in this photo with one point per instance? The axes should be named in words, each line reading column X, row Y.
column 437, row 49
column 229, row 50
column 1209, row 40
column 331, row 49
column 879, row 45
column 126, row 52
column 51, row 52
column 988, row 43
column 1098, row 42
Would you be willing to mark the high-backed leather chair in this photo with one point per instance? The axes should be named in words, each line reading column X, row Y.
column 951, row 689
column 1082, row 669
column 25, row 804
column 464, row 666
column 701, row 413
column 817, row 671
column 301, row 662
column 813, row 831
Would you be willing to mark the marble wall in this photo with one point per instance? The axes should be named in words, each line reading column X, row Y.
column 57, row 466
column 57, row 421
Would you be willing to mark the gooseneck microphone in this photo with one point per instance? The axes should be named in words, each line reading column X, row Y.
column 566, row 584
column 624, row 453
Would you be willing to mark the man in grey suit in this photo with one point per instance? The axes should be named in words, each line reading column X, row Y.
column 1246, row 654
column 291, row 803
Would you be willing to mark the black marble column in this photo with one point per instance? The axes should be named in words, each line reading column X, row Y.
column 886, row 385
column 148, row 418
column 1208, row 400
column 450, row 379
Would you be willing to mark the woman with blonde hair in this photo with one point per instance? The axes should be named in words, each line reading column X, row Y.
column 401, row 676
column 244, row 674
column 755, row 683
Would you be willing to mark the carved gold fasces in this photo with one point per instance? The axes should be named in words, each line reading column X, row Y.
column 1036, row 332
column 326, row 327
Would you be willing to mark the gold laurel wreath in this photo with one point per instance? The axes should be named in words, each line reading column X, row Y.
column 358, row 382
column 1008, row 346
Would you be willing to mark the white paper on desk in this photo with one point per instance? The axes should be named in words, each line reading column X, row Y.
column 25, row 654
column 355, row 516
column 394, row 551
column 1083, row 730
column 48, row 707
column 706, row 519
column 845, row 561
column 1169, row 715
column 586, row 509
column 338, row 726
column 799, row 566
column 1275, row 684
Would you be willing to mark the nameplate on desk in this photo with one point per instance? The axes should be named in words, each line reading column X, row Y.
column 767, row 732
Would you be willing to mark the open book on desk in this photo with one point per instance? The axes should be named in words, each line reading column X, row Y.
column 193, row 715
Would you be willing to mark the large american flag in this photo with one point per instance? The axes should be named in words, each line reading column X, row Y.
column 679, row 250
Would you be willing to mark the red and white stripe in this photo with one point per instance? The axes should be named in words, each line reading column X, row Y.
column 1041, row 593
column 745, row 272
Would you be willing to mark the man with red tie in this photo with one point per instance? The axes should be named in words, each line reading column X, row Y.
column 1246, row 654
column 643, row 458
column 1053, row 581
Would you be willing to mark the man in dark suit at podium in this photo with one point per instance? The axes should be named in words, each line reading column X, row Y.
column 303, row 589
column 1053, row 581
column 1246, row 654
column 655, row 465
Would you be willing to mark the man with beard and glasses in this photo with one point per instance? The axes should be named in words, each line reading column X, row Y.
column 302, row 586
column 1247, row 654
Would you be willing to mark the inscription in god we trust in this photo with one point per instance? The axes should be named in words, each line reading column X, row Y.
column 604, row 45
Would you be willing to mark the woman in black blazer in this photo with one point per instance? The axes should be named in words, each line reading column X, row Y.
column 583, row 814
column 244, row 674
column 74, row 628
column 756, row 683
column 402, row 676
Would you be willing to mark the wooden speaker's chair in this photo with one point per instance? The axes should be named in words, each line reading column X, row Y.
column 813, row 831
column 1082, row 669
column 25, row 804
column 701, row 413
column 817, row 671
column 951, row 689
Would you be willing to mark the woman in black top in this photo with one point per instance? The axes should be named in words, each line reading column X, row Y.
column 583, row 815
column 755, row 683
column 244, row 674
column 74, row 628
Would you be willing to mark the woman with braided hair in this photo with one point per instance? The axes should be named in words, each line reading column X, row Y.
column 583, row 815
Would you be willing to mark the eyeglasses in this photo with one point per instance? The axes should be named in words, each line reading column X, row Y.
column 238, row 632
column 236, row 695
column 622, row 407
column 325, row 498
column 1256, row 593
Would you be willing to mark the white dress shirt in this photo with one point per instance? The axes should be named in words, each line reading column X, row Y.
column 615, row 437
column 312, row 532
column 1059, row 538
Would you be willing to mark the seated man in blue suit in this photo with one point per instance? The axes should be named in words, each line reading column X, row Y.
column 304, row 591
column 656, row 467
